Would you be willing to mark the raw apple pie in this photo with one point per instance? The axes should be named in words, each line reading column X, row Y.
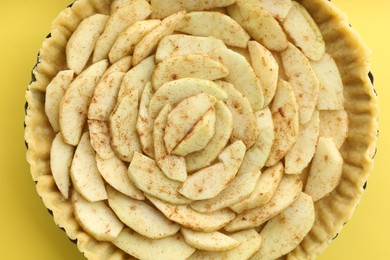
column 218, row 129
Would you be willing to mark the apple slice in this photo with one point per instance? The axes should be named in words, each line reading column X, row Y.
column 122, row 124
column 331, row 95
column 199, row 136
column 325, row 171
column 213, row 241
column 146, row 175
column 266, row 68
column 286, row 231
column 242, row 76
column 85, row 175
column 223, row 130
column 184, row 116
column 105, row 96
column 96, row 218
column 279, row 9
column 264, row 190
column 214, row 24
column 61, row 156
column 162, row 9
column 175, row 91
column 334, row 124
column 173, row 247
column 183, row 66
column 250, row 242
column 54, row 93
column 301, row 153
column 239, row 189
column 189, row 218
column 181, row 44
column 304, row 32
column 244, row 121
column 114, row 172
column 121, row 18
column 174, row 167
column 260, row 25
column 285, row 115
column 303, row 80
column 74, row 105
column 137, row 77
column 141, row 217
column 257, row 155
column 127, row 40
column 209, row 182
column 82, row 42
column 100, row 139
column 149, row 42
column 286, row 193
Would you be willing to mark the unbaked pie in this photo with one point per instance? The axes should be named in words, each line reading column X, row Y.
column 222, row 129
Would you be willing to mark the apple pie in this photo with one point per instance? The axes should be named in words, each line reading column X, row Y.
column 218, row 129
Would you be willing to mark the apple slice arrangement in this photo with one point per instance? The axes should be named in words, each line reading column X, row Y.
column 204, row 130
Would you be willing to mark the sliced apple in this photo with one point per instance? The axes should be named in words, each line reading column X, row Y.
column 96, row 218
column 173, row 247
column 82, row 42
column 122, row 124
column 145, row 123
column 100, row 139
column 301, row 153
column 260, row 24
column 175, row 91
column 104, row 99
column 213, row 241
column 238, row 190
column 286, row 231
column 174, row 167
column 209, row 182
column 325, row 171
column 191, row 66
column 149, row 42
column 184, row 116
column 331, row 95
column 127, row 40
column 199, row 136
column 266, row 68
column 304, row 32
column 257, row 155
column 279, row 9
column 242, row 76
column 287, row 192
column 334, row 124
column 122, row 17
column 223, row 130
column 181, row 44
column 137, row 77
column 303, row 80
column 61, row 156
column 250, row 242
column 74, row 105
column 189, row 218
column 165, row 8
column 114, row 172
column 148, row 177
column 55, row 91
column 141, row 217
column 244, row 121
column 285, row 114
column 264, row 190
column 214, row 24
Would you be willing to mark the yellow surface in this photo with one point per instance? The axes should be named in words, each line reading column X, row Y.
column 28, row 231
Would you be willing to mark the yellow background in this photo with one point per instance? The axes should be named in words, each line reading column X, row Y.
column 28, row 231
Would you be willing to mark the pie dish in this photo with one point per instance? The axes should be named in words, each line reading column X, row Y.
column 224, row 129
